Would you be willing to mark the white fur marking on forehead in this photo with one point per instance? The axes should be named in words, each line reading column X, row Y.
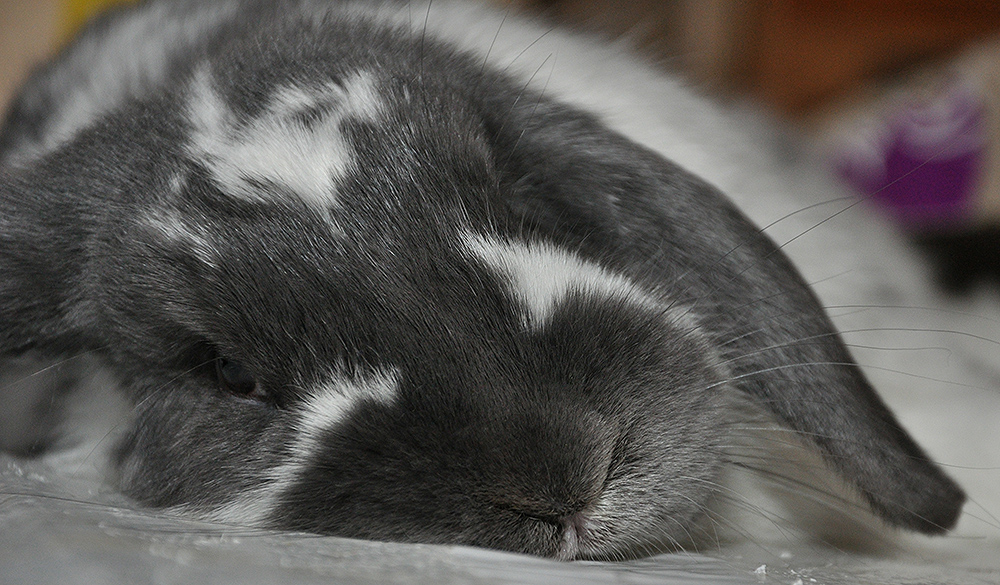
column 280, row 146
column 328, row 407
column 541, row 275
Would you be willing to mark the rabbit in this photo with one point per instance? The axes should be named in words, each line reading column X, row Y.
column 438, row 274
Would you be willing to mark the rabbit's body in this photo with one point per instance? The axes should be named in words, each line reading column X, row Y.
column 356, row 280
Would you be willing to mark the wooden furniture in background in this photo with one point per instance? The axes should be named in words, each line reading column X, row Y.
column 793, row 54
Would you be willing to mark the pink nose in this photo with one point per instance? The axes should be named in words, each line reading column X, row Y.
column 576, row 530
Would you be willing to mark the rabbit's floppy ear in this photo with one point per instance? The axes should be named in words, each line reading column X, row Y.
column 576, row 182
column 42, row 261
column 56, row 210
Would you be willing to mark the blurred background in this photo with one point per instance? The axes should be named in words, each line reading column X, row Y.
column 900, row 97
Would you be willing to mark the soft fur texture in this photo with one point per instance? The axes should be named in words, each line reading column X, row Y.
column 433, row 275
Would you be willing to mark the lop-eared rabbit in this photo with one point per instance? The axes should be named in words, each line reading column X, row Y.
column 442, row 275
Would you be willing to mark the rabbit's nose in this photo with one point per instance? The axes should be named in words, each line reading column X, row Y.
column 551, row 464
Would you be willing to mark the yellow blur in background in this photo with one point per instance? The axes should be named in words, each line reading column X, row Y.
column 74, row 13
column 32, row 30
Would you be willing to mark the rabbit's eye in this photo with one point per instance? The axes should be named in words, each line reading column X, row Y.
column 236, row 379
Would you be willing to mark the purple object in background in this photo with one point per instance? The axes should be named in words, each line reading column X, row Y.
column 922, row 163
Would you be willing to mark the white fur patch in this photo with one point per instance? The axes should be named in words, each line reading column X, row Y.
column 174, row 229
column 541, row 275
column 280, row 147
column 328, row 407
